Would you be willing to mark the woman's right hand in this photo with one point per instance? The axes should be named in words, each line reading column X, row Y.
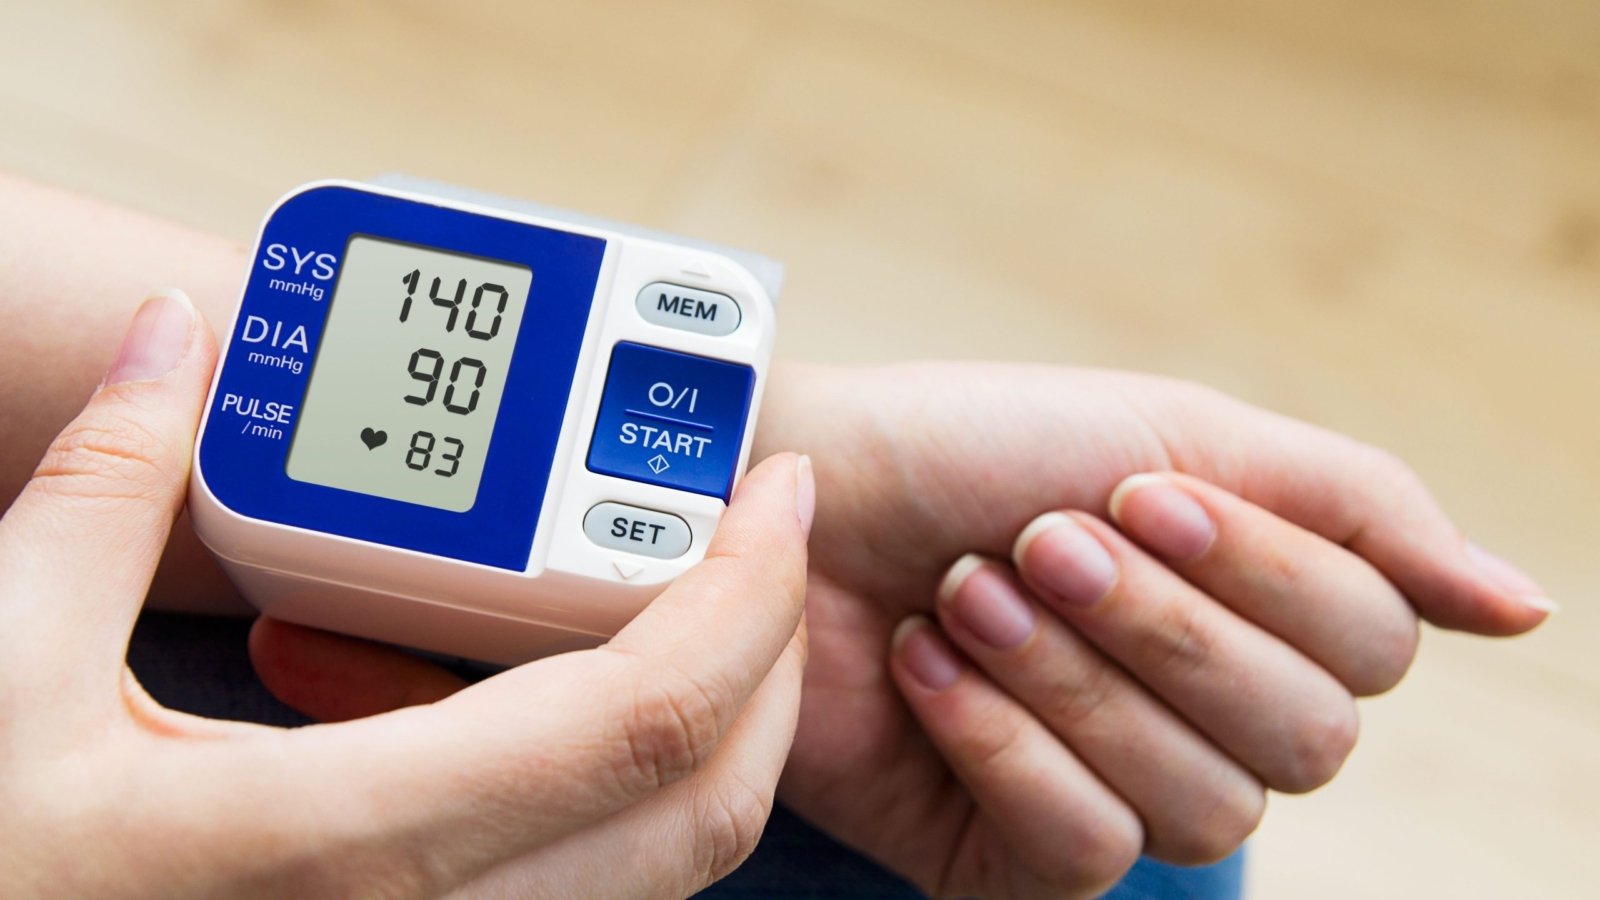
column 644, row 767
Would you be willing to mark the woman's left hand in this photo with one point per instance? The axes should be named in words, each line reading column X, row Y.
column 1140, row 685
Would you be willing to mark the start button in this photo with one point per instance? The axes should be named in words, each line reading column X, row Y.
column 671, row 419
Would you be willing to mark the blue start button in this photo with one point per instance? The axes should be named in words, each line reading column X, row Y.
column 671, row 419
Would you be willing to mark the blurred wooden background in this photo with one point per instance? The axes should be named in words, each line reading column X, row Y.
column 1382, row 216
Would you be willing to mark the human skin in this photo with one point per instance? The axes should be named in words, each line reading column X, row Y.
column 652, row 745
column 990, row 784
column 1324, row 552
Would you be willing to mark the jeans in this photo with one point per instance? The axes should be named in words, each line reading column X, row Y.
column 200, row 665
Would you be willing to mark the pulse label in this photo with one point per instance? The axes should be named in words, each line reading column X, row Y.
column 270, row 419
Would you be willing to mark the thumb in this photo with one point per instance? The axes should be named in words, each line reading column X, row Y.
column 563, row 742
column 749, row 591
column 753, row 580
column 81, row 542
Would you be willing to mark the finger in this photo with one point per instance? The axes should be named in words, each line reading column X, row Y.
column 542, row 750
column 1272, row 709
column 755, row 565
column 81, row 542
column 690, row 834
column 333, row 677
column 1324, row 600
column 1064, row 829
column 1357, row 496
column 1196, row 803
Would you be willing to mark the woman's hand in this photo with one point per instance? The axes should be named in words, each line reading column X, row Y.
column 1165, row 668
column 1047, row 748
column 643, row 768
column 918, row 466
column 1157, row 663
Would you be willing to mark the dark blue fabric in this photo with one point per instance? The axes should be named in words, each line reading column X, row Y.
column 200, row 665
column 796, row 862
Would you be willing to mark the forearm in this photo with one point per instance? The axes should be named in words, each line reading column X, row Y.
column 72, row 271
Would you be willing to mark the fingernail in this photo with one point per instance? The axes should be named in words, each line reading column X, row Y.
column 805, row 493
column 1163, row 517
column 1511, row 579
column 1062, row 557
column 986, row 603
column 156, row 340
column 925, row 654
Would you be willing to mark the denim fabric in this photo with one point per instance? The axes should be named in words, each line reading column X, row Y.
column 200, row 665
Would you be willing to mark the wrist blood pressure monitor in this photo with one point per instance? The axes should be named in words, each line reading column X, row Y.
column 475, row 428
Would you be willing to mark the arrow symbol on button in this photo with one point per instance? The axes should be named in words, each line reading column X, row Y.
column 658, row 464
column 626, row 570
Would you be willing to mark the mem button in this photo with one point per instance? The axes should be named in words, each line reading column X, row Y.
column 688, row 309
column 631, row 529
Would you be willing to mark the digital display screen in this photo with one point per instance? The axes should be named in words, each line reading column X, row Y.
column 409, row 374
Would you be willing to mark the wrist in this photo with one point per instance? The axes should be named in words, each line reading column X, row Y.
column 792, row 408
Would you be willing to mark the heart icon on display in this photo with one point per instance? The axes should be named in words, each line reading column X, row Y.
column 373, row 439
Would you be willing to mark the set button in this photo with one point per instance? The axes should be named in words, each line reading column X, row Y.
column 632, row 529
column 688, row 309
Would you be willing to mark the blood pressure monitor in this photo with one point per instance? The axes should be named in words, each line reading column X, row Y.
column 467, row 426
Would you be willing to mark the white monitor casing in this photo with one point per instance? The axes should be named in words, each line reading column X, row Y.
column 572, row 592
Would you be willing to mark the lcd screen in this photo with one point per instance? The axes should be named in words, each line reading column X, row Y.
column 409, row 374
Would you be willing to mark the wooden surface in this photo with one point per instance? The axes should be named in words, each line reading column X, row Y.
column 1382, row 216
